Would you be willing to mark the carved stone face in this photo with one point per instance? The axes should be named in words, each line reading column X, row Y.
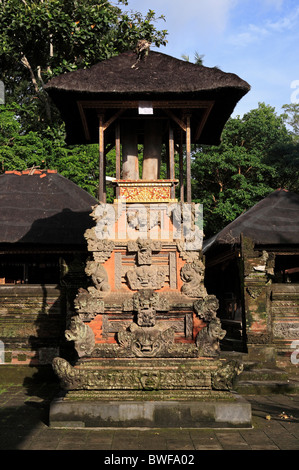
column 147, row 342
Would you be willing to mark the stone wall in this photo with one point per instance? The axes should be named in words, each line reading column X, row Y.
column 32, row 323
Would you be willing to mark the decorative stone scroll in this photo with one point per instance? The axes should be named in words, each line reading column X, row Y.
column 149, row 376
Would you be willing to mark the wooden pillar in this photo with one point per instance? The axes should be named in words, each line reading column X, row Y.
column 117, row 155
column 130, row 168
column 152, row 150
column 171, row 160
column 188, row 159
column 102, row 176
column 182, row 196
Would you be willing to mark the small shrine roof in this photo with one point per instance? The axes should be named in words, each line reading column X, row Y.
column 43, row 207
column 272, row 221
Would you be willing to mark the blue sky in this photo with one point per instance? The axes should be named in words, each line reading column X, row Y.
column 256, row 39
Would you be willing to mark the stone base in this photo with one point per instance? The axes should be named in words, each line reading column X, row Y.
column 116, row 409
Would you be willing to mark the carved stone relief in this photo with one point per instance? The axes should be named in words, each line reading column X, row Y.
column 223, row 378
column 88, row 305
column 192, row 274
column 148, row 341
column 99, row 277
column 144, row 249
column 147, row 277
column 208, row 338
column 82, row 335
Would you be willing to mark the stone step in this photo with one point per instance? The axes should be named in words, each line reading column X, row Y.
column 263, row 374
column 266, row 387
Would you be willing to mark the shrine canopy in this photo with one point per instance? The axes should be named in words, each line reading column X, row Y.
column 155, row 82
column 274, row 221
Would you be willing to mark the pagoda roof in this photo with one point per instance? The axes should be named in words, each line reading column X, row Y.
column 154, row 77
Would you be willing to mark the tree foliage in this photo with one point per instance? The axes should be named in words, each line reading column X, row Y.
column 257, row 155
column 43, row 38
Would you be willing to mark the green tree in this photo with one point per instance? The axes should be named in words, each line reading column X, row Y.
column 291, row 117
column 43, row 38
column 244, row 168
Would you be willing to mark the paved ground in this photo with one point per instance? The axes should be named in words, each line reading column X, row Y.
column 24, row 426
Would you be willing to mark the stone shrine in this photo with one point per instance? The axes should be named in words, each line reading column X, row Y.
column 145, row 330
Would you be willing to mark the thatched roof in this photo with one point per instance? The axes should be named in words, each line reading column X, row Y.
column 43, row 208
column 272, row 221
column 155, row 77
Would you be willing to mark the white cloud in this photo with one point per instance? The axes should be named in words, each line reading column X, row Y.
column 256, row 32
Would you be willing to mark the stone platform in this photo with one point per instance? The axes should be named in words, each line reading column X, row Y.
column 115, row 409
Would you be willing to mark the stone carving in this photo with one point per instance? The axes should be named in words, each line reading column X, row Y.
column 101, row 247
column 193, row 274
column 142, row 219
column 88, row 305
column 99, row 277
column 185, row 219
column 206, row 308
column 82, row 335
column 146, row 303
column 153, row 376
column 144, row 249
column 223, row 378
column 104, row 215
column 147, row 277
column 254, row 292
column 146, row 342
column 208, row 338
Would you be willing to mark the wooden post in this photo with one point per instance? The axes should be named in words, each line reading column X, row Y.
column 117, row 152
column 182, row 196
column 102, row 190
column 188, row 159
column 171, row 161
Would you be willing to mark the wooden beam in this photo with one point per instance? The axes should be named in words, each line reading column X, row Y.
column 102, row 176
column 181, row 157
column 188, row 159
column 171, row 160
column 176, row 119
column 113, row 118
column 117, row 155
column 203, row 120
column 178, row 104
